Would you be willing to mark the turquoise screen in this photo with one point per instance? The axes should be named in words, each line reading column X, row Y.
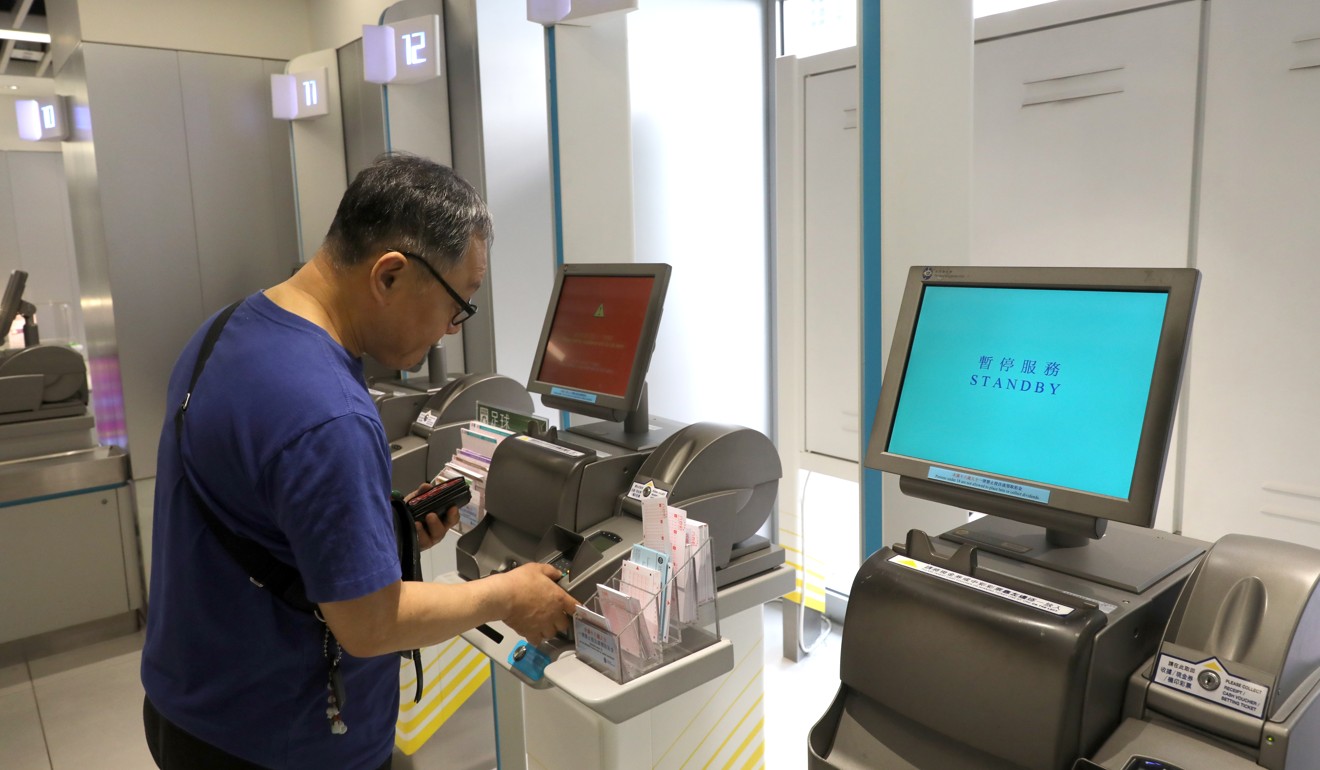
column 1043, row 385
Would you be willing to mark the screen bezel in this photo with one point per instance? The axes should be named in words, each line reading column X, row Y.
column 607, row 406
column 1180, row 284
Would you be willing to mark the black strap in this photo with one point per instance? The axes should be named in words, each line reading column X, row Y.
column 263, row 569
column 208, row 344
column 410, row 563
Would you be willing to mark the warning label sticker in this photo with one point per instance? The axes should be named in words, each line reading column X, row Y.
column 983, row 586
column 1210, row 680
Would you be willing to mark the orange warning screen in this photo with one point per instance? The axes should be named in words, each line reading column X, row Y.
column 594, row 335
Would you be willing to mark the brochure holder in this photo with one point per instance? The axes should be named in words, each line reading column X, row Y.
column 677, row 620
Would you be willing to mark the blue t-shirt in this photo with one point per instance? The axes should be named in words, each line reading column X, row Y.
column 284, row 443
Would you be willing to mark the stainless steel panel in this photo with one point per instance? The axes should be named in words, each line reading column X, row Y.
column 279, row 142
column 9, row 259
column 418, row 113
column 91, row 255
column 181, row 202
column 56, row 580
column 148, row 224
column 62, row 473
column 467, row 154
column 364, row 111
column 226, row 120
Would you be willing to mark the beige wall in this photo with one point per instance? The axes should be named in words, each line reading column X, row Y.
column 268, row 29
column 334, row 23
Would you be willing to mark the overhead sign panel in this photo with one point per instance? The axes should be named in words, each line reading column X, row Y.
column 300, row 95
column 407, row 51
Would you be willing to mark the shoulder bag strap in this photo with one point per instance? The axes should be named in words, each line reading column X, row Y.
column 263, row 569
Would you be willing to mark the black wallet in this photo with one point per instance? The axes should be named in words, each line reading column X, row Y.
column 440, row 498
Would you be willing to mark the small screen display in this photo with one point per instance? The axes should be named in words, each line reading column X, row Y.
column 1044, row 385
column 602, row 541
column 593, row 337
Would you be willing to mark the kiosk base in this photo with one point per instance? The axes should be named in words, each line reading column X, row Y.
column 717, row 722
column 1005, row 664
column 562, row 733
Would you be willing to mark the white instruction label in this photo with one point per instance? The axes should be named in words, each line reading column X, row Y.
column 563, row 450
column 1210, row 680
column 646, row 491
column 427, row 418
column 983, row 586
column 595, row 644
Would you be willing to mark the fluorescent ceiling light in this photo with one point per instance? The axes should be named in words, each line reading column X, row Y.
column 24, row 37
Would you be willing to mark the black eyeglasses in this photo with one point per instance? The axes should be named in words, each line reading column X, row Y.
column 465, row 309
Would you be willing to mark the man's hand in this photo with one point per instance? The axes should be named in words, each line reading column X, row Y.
column 536, row 607
column 435, row 525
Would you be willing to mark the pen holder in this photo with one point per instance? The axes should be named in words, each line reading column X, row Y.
column 626, row 631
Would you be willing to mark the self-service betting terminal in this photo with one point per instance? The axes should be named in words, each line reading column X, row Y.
column 52, row 469
column 43, row 388
column 37, row 382
column 573, row 498
column 1059, row 631
column 424, row 421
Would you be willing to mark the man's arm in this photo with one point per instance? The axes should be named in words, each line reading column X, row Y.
column 405, row 616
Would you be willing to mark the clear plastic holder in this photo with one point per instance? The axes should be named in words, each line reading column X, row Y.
column 633, row 643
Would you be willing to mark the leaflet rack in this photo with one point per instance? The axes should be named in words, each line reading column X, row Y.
column 631, row 645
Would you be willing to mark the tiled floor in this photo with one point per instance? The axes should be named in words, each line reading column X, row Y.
column 83, row 709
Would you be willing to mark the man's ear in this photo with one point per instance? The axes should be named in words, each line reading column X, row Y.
column 385, row 273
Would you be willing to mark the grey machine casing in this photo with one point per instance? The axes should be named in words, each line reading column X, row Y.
column 424, row 426
column 938, row 675
column 42, row 382
column 546, row 499
column 1251, row 609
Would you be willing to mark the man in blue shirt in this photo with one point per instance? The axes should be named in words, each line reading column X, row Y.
column 283, row 443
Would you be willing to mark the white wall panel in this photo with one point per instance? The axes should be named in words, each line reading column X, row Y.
column 832, row 264
column 926, row 190
column 698, row 90
column 515, row 147
column 1084, row 149
column 1254, row 419
column 1100, row 174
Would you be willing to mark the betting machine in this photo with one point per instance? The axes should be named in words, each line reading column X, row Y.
column 574, row 497
column 1059, row 630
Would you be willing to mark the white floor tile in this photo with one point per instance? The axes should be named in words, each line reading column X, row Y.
column 83, row 709
column 91, row 706
column 796, row 694
column 15, row 677
column 465, row 742
column 22, row 744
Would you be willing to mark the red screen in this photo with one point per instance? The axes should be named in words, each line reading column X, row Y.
column 593, row 337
